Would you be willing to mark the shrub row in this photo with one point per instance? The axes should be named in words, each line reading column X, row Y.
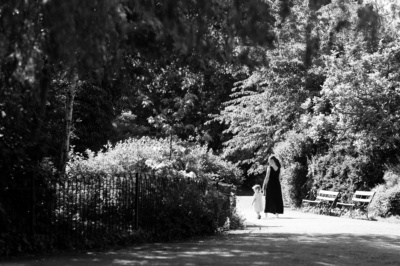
column 309, row 166
column 186, row 210
column 161, row 156
column 386, row 201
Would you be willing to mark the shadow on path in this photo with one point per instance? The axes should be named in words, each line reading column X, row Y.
column 296, row 238
column 248, row 249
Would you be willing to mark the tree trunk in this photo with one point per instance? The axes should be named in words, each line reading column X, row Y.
column 43, row 92
column 69, row 107
column 170, row 146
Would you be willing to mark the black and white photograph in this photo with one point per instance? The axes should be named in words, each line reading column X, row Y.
column 199, row 132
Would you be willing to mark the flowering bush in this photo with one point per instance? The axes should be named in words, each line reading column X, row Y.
column 161, row 156
column 179, row 205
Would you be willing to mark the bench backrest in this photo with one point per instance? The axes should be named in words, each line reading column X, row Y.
column 363, row 196
column 326, row 195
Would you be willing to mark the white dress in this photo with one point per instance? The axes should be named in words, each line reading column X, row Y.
column 257, row 206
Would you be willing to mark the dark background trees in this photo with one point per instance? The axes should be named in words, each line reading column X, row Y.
column 72, row 71
column 314, row 81
column 82, row 74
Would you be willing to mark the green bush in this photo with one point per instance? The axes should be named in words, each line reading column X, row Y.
column 188, row 212
column 386, row 201
column 294, row 184
column 161, row 156
column 343, row 173
column 185, row 209
column 236, row 221
column 293, row 153
column 211, row 166
column 92, row 193
column 310, row 166
column 175, row 211
column 178, row 210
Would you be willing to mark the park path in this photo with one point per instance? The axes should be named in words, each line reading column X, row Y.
column 295, row 238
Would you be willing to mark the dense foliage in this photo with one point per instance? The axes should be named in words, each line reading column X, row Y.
column 88, row 73
column 203, row 82
column 327, row 101
column 181, row 201
column 387, row 200
column 94, row 210
column 163, row 157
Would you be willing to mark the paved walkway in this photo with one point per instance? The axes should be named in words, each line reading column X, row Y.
column 295, row 238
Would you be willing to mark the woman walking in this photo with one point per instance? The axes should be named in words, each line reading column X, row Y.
column 272, row 188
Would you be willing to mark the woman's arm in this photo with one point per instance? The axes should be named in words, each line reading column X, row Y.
column 265, row 180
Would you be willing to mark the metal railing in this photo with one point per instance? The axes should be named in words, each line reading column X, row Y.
column 82, row 206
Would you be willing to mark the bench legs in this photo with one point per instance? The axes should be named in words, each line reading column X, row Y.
column 353, row 208
column 309, row 206
column 326, row 208
column 344, row 207
column 364, row 210
column 323, row 207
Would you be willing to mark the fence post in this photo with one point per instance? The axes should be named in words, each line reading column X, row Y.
column 33, row 203
column 137, row 202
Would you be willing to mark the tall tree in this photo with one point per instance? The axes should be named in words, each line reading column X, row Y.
column 44, row 40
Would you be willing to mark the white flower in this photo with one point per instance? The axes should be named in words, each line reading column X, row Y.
column 151, row 163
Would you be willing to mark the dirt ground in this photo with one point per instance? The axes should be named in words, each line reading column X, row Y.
column 295, row 238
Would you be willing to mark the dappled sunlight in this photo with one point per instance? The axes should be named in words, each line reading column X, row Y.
column 248, row 248
column 295, row 238
column 264, row 249
column 125, row 262
column 324, row 263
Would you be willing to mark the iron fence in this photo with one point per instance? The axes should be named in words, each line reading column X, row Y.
column 82, row 206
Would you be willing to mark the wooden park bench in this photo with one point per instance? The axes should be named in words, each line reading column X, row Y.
column 360, row 201
column 324, row 201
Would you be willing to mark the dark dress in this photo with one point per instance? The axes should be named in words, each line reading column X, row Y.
column 273, row 193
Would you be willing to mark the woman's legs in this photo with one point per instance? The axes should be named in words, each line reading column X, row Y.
column 266, row 216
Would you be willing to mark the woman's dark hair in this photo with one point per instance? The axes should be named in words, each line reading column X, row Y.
column 277, row 162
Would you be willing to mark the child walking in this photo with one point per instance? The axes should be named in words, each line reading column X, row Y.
column 257, row 200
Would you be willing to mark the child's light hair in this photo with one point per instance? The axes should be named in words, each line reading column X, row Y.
column 256, row 187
